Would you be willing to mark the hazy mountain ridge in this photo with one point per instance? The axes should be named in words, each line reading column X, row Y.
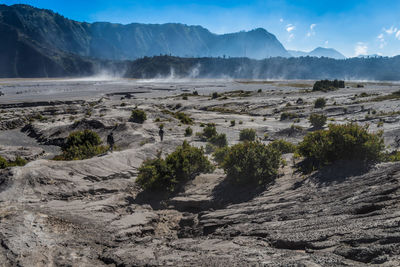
column 271, row 68
column 318, row 52
column 121, row 42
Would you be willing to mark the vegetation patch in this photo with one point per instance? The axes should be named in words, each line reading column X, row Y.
column 138, row 116
column 288, row 116
column 341, row 142
column 247, row 135
column 392, row 96
column 82, row 145
column 188, row 132
column 251, row 163
column 177, row 168
column 327, row 85
column 283, row 146
column 320, row 102
column 318, row 120
column 17, row 162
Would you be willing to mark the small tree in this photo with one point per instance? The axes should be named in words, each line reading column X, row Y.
column 283, row 146
column 247, row 135
column 178, row 167
column 82, row 145
column 320, row 103
column 317, row 120
column 252, row 162
column 188, row 131
column 209, row 131
column 341, row 142
column 138, row 116
column 219, row 140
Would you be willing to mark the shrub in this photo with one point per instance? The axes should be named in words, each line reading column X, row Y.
column 214, row 95
column 185, row 98
column 209, row 131
column 252, row 162
column 184, row 118
column 326, row 85
column 283, row 146
column 247, row 135
column 233, row 123
column 220, row 154
column 82, row 145
column 317, row 120
column 178, row 167
column 138, row 116
column 3, row 163
column 348, row 142
column 17, row 162
column 195, row 93
column 320, row 103
column 188, row 131
column 288, row 116
column 210, row 148
column 218, row 140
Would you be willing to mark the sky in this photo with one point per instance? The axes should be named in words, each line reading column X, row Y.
column 352, row 27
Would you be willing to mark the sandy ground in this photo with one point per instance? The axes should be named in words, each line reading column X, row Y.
column 91, row 213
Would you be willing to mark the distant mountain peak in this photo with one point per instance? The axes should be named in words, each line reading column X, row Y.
column 319, row 52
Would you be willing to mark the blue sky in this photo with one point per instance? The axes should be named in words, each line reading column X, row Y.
column 352, row 27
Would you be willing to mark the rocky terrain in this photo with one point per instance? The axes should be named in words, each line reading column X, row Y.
column 91, row 212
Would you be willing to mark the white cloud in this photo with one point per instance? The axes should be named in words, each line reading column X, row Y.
column 360, row 49
column 398, row 34
column 326, row 43
column 382, row 42
column 281, row 20
column 391, row 30
column 291, row 37
column 290, row 27
column 311, row 32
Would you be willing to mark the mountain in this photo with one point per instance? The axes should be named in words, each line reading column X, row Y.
column 318, row 52
column 126, row 42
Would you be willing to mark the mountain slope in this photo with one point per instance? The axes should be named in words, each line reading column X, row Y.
column 326, row 52
column 318, row 52
column 120, row 42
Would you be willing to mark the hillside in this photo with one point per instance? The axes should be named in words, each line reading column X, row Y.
column 121, row 42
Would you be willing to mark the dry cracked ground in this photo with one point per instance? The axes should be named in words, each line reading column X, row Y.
column 91, row 212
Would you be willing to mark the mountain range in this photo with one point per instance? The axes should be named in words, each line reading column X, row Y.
column 318, row 52
column 40, row 43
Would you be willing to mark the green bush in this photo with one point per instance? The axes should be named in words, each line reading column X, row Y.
column 214, row 95
column 220, row 154
column 178, row 167
column 347, row 142
column 3, row 163
column 247, row 135
column 317, row 120
column 17, row 162
column 288, row 116
column 219, row 140
column 326, row 85
column 188, row 131
column 184, row 118
column 320, row 103
column 283, row 146
column 82, row 145
column 209, row 131
column 138, row 116
column 252, row 162
column 233, row 123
